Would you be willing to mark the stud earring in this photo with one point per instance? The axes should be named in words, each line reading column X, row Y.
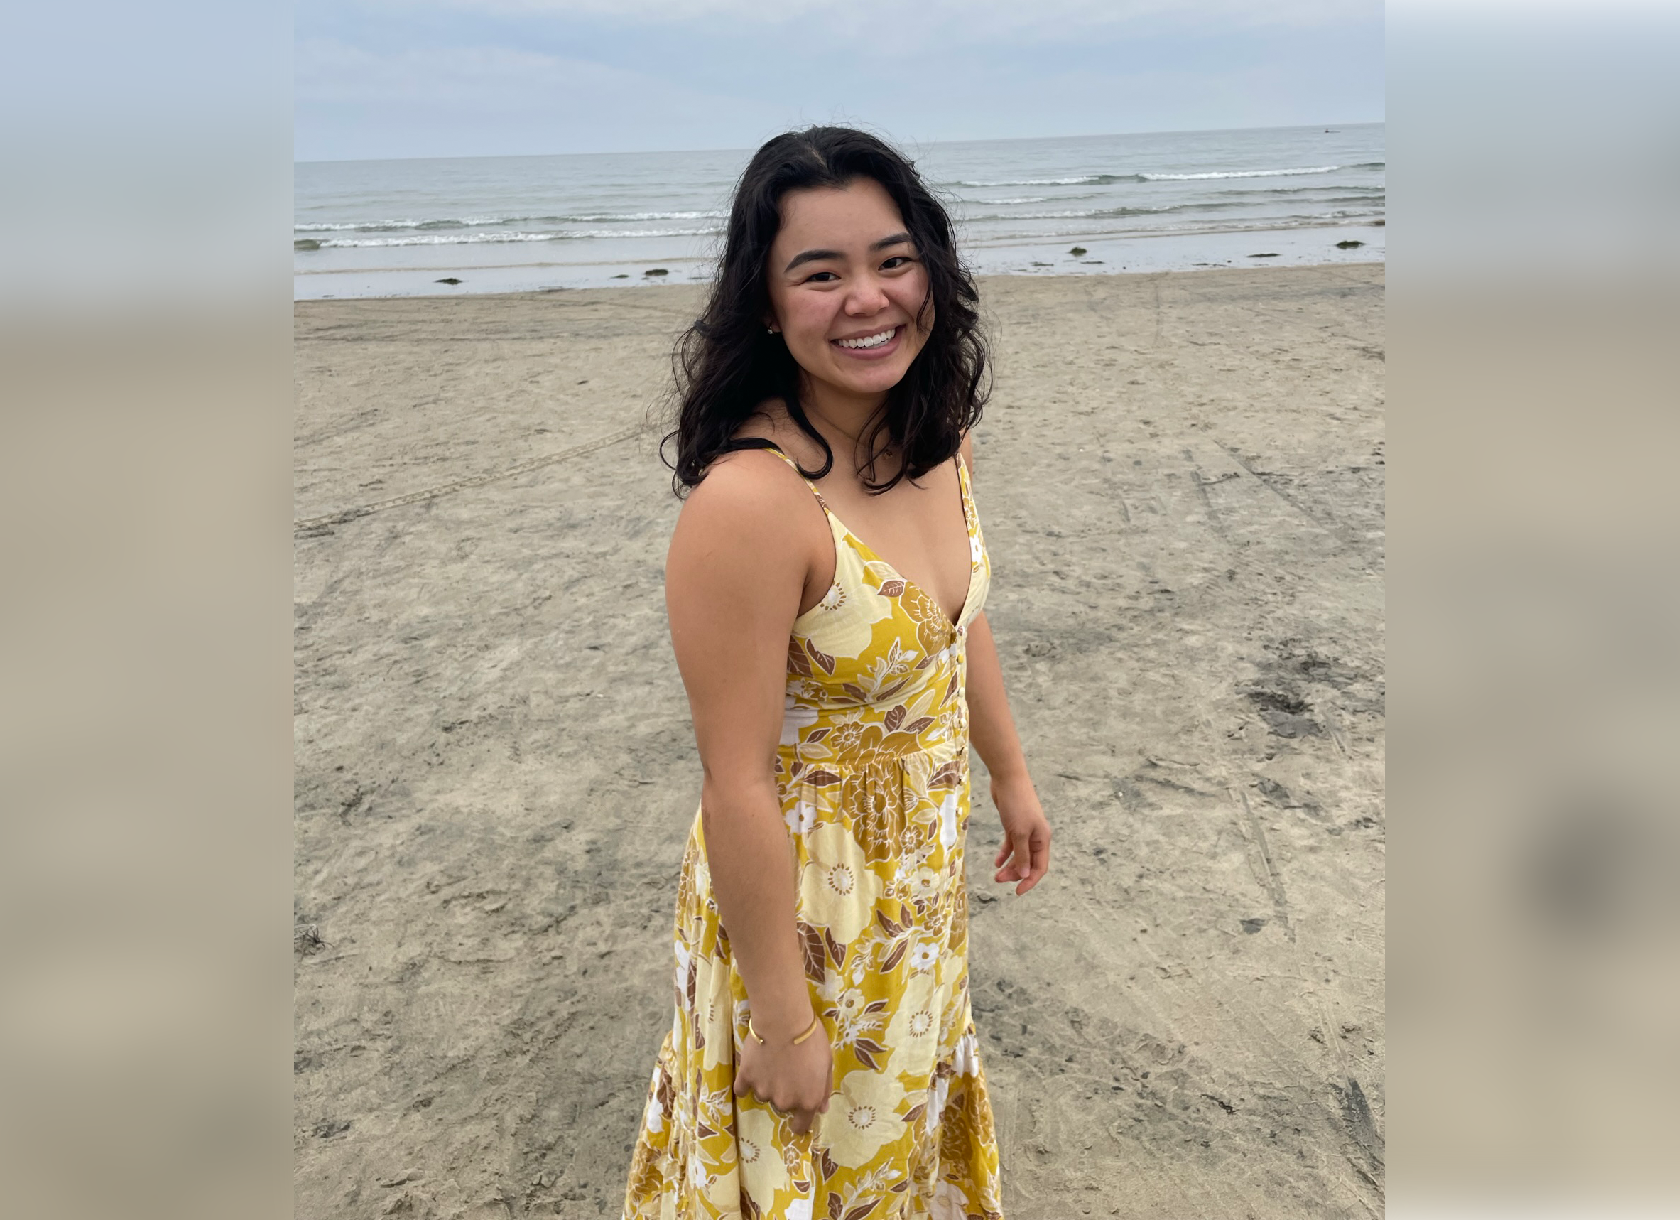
column 771, row 330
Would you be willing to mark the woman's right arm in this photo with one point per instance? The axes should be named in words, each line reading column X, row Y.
column 733, row 582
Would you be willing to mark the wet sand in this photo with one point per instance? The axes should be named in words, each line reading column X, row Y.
column 1181, row 481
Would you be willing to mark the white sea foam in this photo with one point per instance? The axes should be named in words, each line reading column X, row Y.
column 1242, row 173
column 1146, row 176
column 1085, row 180
column 1197, row 206
column 476, row 222
column 650, row 216
column 1353, row 189
column 351, row 228
column 1029, row 216
column 456, row 239
column 1098, row 230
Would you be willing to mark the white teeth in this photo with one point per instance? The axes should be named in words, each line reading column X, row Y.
column 871, row 341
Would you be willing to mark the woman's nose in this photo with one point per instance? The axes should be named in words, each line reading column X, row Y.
column 865, row 298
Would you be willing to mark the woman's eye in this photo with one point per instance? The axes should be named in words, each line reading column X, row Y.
column 817, row 277
column 897, row 261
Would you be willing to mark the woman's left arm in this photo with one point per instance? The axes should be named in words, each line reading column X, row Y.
column 1025, row 855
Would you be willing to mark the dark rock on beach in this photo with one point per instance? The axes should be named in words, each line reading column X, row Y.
column 656, row 271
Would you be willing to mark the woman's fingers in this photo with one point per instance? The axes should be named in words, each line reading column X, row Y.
column 1005, row 866
column 1020, row 857
column 1032, row 859
column 1038, row 858
column 787, row 1086
column 800, row 1117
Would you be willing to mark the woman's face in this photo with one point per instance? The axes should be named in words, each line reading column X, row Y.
column 846, row 283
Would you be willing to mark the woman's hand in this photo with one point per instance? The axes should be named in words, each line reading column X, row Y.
column 793, row 1080
column 1025, row 854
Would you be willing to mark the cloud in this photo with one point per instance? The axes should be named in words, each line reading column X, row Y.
column 460, row 77
column 492, row 100
column 332, row 71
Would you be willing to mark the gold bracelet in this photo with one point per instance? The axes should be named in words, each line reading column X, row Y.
column 816, row 1023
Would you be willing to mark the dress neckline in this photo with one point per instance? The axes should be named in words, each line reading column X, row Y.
column 874, row 556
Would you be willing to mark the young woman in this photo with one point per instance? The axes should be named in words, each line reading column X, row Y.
column 825, row 584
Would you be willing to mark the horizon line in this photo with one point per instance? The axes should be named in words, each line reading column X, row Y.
column 919, row 144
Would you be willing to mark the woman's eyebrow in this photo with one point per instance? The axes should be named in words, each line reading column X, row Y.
column 815, row 256
column 809, row 256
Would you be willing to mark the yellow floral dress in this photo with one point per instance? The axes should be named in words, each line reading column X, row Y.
column 872, row 771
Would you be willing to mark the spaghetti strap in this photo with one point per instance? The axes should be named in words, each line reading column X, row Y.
column 760, row 442
column 971, row 515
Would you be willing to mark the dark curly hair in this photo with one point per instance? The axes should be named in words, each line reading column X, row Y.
column 726, row 366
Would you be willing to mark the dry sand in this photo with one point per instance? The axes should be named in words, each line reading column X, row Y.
column 1181, row 481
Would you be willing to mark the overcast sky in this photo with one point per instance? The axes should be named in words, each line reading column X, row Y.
column 438, row 78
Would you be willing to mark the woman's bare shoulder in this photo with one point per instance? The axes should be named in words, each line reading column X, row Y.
column 748, row 496
column 743, row 482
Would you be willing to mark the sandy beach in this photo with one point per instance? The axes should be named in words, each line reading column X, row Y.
column 1181, row 482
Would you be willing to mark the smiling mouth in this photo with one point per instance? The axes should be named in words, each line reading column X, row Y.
column 880, row 339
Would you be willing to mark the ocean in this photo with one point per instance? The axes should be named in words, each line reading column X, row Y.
column 1075, row 205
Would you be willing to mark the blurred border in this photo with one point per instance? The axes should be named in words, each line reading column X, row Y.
column 145, row 748
column 1535, row 566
